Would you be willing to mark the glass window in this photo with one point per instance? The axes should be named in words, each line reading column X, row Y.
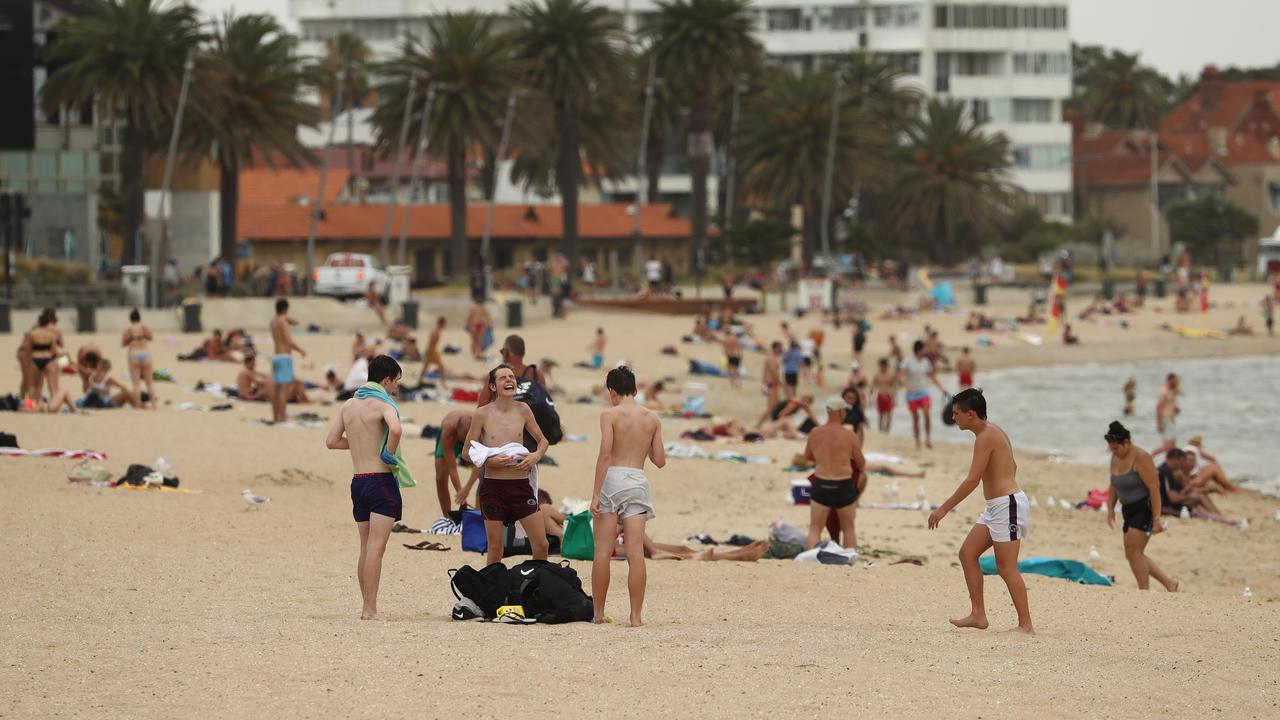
column 847, row 18
column 13, row 164
column 19, row 185
column 46, row 163
column 1041, row 157
column 47, row 187
column 93, row 163
column 980, row 110
column 74, row 187
column 72, row 164
column 784, row 19
column 1032, row 110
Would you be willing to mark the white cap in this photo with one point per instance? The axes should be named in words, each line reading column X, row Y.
column 835, row 403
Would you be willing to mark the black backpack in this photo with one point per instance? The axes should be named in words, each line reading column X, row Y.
column 489, row 587
column 530, row 392
column 551, row 593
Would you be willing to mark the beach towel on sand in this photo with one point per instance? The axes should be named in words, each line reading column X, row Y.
column 394, row 461
column 1072, row 570
column 54, row 452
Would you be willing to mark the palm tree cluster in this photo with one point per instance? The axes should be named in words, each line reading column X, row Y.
column 926, row 176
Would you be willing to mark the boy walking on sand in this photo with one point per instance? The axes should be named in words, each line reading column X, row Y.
column 375, row 492
column 282, row 361
column 629, row 434
column 1002, row 524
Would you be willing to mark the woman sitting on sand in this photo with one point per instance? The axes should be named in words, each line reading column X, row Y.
column 1135, row 485
column 105, row 392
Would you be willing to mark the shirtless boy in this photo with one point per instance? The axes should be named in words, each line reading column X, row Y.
column 251, row 384
column 282, row 361
column 885, row 387
column 838, row 478
column 966, row 366
column 772, row 376
column 431, row 357
column 733, row 357
column 453, row 431
column 1004, row 521
column 629, row 434
column 1167, row 412
column 506, row 492
column 375, row 493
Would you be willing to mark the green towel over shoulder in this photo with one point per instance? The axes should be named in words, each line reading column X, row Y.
column 399, row 468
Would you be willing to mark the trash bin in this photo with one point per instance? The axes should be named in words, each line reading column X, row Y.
column 557, row 303
column 1161, row 288
column 85, row 321
column 191, row 318
column 515, row 313
column 979, row 294
column 1108, row 289
column 1225, row 273
column 409, row 313
column 6, row 320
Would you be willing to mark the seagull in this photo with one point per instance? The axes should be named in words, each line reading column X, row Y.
column 254, row 500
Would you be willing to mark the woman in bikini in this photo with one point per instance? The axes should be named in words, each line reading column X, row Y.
column 42, row 345
column 137, row 338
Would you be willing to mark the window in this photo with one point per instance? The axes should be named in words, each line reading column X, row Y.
column 782, row 20
column 1041, row 157
column 1032, row 110
column 980, row 110
column 846, row 18
column 900, row 16
column 999, row 16
column 1041, row 64
column 1052, row 204
column 907, row 62
column 73, row 164
column 976, row 64
column 46, row 164
column 13, row 164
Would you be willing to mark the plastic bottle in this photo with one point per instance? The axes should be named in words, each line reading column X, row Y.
column 1186, row 513
column 163, row 466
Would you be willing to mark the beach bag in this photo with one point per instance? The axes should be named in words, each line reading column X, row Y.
column 579, row 542
column 1097, row 498
column 473, row 537
column 552, row 593
column 489, row 587
column 531, row 393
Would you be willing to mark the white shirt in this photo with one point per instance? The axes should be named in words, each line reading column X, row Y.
column 653, row 270
column 358, row 375
column 916, row 372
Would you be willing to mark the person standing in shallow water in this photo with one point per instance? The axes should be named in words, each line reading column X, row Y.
column 1135, row 485
column 1002, row 524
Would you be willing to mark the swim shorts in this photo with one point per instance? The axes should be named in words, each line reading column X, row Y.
column 506, row 500
column 626, row 492
column 282, row 369
column 884, row 403
column 966, row 379
column 792, row 378
column 1170, row 432
column 597, row 361
column 918, row 400
column 377, row 494
column 1006, row 517
column 833, row 493
column 457, row 449
column 735, row 361
column 1137, row 515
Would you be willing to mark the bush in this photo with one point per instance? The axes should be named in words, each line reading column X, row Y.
column 48, row 272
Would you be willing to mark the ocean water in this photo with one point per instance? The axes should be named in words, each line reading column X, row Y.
column 1233, row 404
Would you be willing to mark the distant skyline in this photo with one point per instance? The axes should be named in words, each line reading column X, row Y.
column 1223, row 32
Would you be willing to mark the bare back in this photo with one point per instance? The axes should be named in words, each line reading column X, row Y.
column 999, row 478
column 966, row 364
column 833, row 448
column 635, row 432
column 363, row 422
column 771, row 368
column 280, row 335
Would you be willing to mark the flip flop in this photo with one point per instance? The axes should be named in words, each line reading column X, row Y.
column 427, row 545
column 402, row 528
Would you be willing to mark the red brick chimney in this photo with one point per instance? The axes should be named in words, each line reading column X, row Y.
column 1211, row 88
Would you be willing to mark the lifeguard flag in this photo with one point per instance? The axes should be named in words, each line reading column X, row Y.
column 1204, row 293
column 1057, row 291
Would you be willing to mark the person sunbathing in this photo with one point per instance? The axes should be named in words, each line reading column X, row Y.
column 1033, row 316
column 661, row 551
column 1242, row 328
column 216, row 349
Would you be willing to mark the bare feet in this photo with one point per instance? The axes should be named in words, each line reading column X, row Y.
column 972, row 620
column 1176, row 584
column 1024, row 629
column 602, row 620
column 635, row 621
column 366, row 615
column 928, row 444
column 755, row 551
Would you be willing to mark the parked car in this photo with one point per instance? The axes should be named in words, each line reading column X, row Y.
column 347, row 275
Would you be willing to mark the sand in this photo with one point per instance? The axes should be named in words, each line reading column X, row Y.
column 142, row 604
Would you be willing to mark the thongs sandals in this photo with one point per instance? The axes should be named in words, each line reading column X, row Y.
column 402, row 528
column 427, row 545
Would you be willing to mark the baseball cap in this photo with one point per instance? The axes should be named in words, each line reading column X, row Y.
column 836, row 403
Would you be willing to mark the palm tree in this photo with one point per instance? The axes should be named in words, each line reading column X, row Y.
column 126, row 55
column 873, row 82
column 701, row 45
column 1119, row 92
column 250, row 82
column 472, row 69
column 572, row 53
column 784, row 140
column 348, row 55
column 952, row 178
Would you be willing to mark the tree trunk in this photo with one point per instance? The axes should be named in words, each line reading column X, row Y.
column 132, row 190
column 812, row 228
column 655, row 153
column 352, row 166
column 490, row 178
column 568, row 172
column 700, row 142
column 459, row 264
column 228, row 202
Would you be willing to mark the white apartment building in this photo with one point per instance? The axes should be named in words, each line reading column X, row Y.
column 1009, row 62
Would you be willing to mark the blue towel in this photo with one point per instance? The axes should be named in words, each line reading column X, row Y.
column 399, row 468
column 1072, row 570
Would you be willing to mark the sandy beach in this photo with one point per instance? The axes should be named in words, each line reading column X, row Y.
column 149, row 604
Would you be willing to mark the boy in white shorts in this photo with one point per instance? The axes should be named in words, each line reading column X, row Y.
column 1002, row 524
column 629, row 434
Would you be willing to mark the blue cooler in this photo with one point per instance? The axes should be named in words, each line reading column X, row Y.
column 799, row 494
column 473, row 537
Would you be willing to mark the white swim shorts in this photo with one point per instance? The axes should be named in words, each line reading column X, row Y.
column 626, row 492
column 1006, row 517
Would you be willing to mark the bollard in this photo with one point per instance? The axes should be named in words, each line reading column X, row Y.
column 1161, row 288
column 515, row 313
column 1108, row 289
column 6, row 320
column 409, row 313
column 191, row 317
column 979, row 294
column 85, row 320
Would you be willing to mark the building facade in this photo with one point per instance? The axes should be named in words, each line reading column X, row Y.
column 1009, row 62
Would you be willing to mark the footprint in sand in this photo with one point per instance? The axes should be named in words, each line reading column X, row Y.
column 292, row 477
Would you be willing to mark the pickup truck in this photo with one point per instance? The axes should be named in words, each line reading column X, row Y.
column 347, row 275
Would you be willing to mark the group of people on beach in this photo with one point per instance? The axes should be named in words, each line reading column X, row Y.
column 43, row 358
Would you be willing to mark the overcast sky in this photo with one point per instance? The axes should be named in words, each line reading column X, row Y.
column 1176, row 36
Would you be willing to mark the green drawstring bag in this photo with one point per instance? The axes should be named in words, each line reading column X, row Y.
column 579, row 542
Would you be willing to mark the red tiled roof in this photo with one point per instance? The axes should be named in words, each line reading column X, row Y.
column 286, row 186
column 363, row 222
column 1234, row 99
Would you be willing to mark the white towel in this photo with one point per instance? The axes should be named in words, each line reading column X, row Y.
column 480, row 453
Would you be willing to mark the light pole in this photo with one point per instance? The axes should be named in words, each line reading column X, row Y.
column 642, row 169
column 156, row 254
column 731, row 169
column 825, row 227
column 317, row 206
column 395, row 171
column 1155, row 193
column 423, row 139
column 485, row 262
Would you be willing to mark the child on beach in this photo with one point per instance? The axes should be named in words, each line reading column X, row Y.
column 885, row 386
column 629, row 434
column 1002, row 524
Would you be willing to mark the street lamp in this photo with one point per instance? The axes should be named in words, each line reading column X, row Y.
column 317, row 206
column 642, row 169
column 395, row 171
column 156, row 248
column 423, row 140
column 827, row 182
column 487, row 265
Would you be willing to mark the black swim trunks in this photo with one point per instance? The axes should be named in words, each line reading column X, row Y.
column 735, row 361
column 833, row 493
column 791, row 378
column 1137, row 516
column 506, row 500
column 375, row 493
